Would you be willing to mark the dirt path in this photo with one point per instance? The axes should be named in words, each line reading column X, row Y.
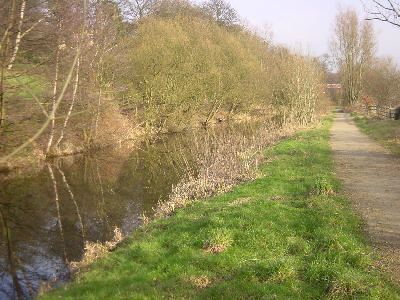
column 371, row 177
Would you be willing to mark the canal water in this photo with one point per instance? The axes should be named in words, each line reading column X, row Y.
column 46, row 217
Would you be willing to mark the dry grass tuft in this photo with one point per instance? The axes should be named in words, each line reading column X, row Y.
column 200, row 282
column 218, row 241
column 239, row 202
column 95, row 251
column 215, row 249
column 277, row 198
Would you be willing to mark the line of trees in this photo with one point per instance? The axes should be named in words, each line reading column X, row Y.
column 100, row 71
column 363, row 75
column 353, row 48
column 383, row 79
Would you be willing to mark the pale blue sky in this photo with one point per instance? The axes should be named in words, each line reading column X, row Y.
column 309, row 23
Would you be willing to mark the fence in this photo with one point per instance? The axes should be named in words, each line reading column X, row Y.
column 382, row 112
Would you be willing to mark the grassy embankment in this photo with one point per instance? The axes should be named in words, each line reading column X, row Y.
column 286, row 235
column 385, row 132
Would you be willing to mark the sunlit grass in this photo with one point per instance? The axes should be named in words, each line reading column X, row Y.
column 16, row 86
column 286, row 235
column 386, row 132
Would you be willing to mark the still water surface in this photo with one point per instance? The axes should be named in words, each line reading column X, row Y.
column 45, row 218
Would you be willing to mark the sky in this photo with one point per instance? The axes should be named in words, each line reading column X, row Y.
column 308, row 24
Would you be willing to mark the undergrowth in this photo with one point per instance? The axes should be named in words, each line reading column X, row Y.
column 222, row 160
column 287, row 235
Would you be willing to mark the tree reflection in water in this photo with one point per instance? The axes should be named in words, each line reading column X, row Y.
column 46, row 217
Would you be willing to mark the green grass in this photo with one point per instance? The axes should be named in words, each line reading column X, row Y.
column 287, row 235
column 385, row 132
column 34, row 82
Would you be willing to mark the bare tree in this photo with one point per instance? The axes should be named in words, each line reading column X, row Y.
column 221, row 11
column 69, row 24
column 137, row 9
column 382, row 82
column 384, row 10
column 12, row 32
column 55, row 84
column 71, row 106
column 170, row 8
column 5, row 46
column 352, row 48
column 51, row 116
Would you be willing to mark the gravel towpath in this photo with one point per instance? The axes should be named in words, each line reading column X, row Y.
column 371, row 177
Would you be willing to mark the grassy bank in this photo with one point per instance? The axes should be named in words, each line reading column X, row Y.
column 286, row 235
column 385, row 132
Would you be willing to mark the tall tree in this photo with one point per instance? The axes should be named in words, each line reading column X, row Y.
column 352, row 47
column 14, row 26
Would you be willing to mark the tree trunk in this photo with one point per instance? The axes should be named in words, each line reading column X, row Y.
column 19, row 35
column 73, row 200
column 11, row 263
column 71, row 106
column 56, row 199
column 4, row 46
column 55, row 83
column 2, row 90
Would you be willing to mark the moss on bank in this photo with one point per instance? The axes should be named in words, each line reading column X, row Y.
column 286, row 235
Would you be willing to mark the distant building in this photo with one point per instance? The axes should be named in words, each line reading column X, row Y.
column 337, row 86
column 334, row 91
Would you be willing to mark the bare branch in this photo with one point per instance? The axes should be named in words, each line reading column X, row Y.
column 387, row 11
column 32, row 27
column 381, row 5
column 396, row 10
column 36, row 23
column 383, row 20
